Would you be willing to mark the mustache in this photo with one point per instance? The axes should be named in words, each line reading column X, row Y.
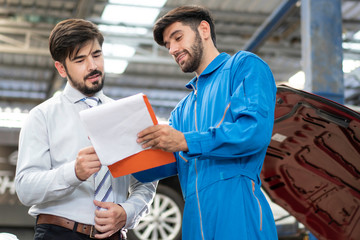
column 95, row 72
column 179, row 53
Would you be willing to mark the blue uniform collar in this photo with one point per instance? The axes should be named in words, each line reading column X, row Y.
column 215, row 64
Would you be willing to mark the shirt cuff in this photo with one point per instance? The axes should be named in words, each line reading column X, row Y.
column 69, row 174
column 130, row 214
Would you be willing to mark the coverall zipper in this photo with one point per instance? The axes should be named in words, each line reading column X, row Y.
column 196, row 180
column 198, row 201
column 260, row 209
column 195, row 93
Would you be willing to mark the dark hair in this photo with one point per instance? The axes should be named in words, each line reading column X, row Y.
column 69, row 36
column 188, row 15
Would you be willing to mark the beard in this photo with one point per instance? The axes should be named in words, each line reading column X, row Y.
column 195, row 56
column 81, row 86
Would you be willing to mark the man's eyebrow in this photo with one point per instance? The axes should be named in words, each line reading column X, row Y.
column 172, row 35
column 82, row 56
column 97, row 51
column 77, row 57
column 174, row 32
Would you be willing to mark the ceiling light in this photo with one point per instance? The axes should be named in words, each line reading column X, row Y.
column 12, row 118
column 350, row 65
column 298, row 80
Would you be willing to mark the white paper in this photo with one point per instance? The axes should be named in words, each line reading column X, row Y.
column 113, row 127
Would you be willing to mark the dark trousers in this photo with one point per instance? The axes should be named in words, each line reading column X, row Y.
column 53, row 232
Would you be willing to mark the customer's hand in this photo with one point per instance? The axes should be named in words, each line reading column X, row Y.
column 109, row 221
column 87, row 163
column 163, row 137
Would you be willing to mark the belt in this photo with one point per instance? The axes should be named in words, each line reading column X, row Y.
column 72, row 225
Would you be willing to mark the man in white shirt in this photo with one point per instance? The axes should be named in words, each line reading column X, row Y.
column 56, row 163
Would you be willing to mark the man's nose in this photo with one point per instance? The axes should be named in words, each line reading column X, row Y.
column 173, row 49
column 92, row 64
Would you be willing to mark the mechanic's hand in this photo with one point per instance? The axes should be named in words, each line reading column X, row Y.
column 162, row 137
column 109, row 221
column 87, row 163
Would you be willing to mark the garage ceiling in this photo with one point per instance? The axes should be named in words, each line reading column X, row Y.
column 28, row 77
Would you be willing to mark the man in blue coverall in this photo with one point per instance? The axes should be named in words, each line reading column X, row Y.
column 219, row 133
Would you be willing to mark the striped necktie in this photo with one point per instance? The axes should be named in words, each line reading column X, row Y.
column 91, row 101
column 102, row 179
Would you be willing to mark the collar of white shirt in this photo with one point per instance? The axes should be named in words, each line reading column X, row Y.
column 75, row 96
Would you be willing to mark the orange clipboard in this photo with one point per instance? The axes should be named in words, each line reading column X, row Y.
column 144, row 160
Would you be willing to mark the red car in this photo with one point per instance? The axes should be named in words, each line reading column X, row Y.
column 312, row 166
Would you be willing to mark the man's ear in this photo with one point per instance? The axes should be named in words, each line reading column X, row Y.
column 204, row 29
column 61, row 69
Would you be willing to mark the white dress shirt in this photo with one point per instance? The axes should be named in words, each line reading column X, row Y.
column 45, row 175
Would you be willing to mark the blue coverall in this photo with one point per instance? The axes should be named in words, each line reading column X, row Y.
column 227, row 121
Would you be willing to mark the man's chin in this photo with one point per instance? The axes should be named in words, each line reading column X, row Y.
column 96, row 83
column 94, row 88
column 183, row 66
column 186, row 69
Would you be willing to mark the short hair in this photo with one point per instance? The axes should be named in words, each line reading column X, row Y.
column 69, row 36
column 188, row 15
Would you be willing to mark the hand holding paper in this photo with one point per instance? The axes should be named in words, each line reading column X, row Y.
column 163, row 137
column 113, row 129
column 87, row 163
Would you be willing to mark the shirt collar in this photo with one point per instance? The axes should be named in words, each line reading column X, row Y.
column 75, row 96
column 215, row 64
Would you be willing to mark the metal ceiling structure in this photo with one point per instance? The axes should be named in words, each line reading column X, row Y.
column 270, row 28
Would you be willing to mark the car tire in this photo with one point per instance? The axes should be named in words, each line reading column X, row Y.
column 165, row 217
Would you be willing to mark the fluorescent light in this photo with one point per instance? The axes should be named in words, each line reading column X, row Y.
column 152, row 3
column 115, row 66
column 123, row 29
column 12, row 118
column 357, row 35
column 117, row 50
column 130, row 14
column 142, row 13
column 351, row 45
column 297, row 80
column 350, row 65
column 111, row 52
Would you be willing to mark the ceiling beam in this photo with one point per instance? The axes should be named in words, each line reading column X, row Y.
column 270, row 25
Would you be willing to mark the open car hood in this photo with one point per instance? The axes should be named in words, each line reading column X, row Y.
column 312, row 165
